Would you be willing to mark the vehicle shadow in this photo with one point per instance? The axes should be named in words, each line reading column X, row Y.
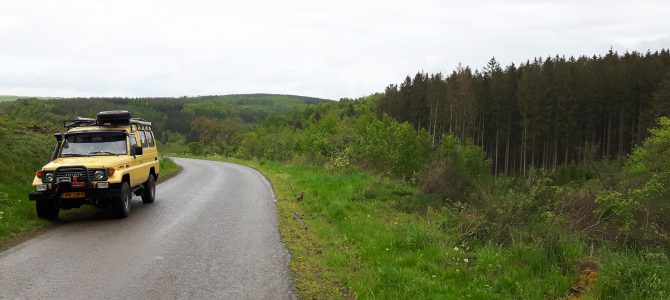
column 91, row 213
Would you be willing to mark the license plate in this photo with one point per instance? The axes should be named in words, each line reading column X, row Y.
column 71, row 195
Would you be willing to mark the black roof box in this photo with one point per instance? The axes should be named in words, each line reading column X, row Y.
column 113, row 117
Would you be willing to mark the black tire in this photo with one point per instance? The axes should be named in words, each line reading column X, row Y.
column 47, row 209
column 149, row 190
column 121, row 203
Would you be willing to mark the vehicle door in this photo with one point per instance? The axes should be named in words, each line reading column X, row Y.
column 135, row 165
column 150, row 151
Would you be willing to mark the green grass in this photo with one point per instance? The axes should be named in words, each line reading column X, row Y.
column 168, row 167
column 373, row 238
column 23, row 152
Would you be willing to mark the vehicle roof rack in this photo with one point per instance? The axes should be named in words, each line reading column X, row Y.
column 141, row 123
column 79, row 122
column 109, row 118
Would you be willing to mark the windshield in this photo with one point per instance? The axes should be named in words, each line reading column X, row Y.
column 94, row 144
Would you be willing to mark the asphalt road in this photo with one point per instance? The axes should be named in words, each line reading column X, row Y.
column 212, row 233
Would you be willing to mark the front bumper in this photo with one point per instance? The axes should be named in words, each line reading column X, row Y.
column 97, row 197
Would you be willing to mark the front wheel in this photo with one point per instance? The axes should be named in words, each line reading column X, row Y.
column 121, row 202
column 47, row 209
column 149, row 190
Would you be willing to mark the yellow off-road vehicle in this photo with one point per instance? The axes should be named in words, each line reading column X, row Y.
column 100, row 161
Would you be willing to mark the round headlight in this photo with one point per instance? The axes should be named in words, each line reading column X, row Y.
column 99, row 175
column 49, row 177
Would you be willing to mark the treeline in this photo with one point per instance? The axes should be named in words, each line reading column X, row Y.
column 542, row 113
column 173, row 118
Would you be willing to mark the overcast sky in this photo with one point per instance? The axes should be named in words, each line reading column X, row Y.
column 329, row 49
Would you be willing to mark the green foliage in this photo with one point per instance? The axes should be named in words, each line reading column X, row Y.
column 388, row 146
column 167, row 166
column 634, row 276
column 638, row 204
column 195, row 148
column 456, row 169
column 23, row 152
column 222, row 137
column 276, row 144
column 166, row 114
column 318, row 140
column 544, row 112
column 570, row 173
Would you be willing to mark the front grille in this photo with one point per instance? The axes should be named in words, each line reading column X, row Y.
column 69, row 172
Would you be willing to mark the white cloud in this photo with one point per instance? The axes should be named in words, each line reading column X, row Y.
column 328, row 49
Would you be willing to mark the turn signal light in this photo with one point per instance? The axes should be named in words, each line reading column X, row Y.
column 38, row 174
column 110, row 171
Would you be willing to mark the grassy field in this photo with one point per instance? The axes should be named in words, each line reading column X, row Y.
column 354, row 235
column 12, row 98
column 8, row 98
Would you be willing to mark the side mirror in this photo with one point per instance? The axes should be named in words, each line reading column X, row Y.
column 137, row 150
column 59, row 139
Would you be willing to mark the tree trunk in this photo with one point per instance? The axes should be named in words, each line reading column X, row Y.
column 509, row 135
column 495, row 160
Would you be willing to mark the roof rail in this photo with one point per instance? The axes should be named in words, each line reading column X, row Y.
column 141, row 123
column 79, row 122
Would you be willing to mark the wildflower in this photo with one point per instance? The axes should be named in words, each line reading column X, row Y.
column 387, row 249
column 457, row 270
column 465, row 260
column 455, row 248
column 434, row 276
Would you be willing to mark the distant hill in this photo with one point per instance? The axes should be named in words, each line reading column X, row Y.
column 167, row 113
column 12, row 98
column 8, row 98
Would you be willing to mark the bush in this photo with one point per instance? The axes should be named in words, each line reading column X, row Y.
column 195, row 148
column 638, row 207
column 388, row 146
column 455, row 170
column 317, row 141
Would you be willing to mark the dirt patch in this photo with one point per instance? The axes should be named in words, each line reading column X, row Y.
column 38, row 129
column 588, row 274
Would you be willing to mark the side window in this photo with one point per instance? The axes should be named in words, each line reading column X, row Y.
column 142, row 138
column 133, row 141
column 150, row 138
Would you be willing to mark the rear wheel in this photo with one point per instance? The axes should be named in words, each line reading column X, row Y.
column 149, row 190
column 47, row 209
column 121, row 202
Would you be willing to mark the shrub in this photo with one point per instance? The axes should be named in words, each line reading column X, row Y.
column 388, row 146
column 317, row 140
column 195, row 148
column 455, row 170
column 638, row 207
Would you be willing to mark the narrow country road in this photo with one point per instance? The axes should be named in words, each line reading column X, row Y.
column 212, row 233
